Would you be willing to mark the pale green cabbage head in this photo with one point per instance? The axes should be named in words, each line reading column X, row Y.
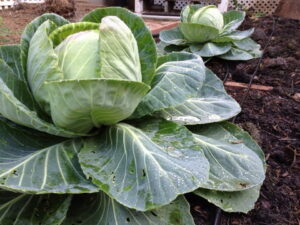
column 210, row 16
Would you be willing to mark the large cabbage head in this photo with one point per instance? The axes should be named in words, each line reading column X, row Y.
column 201, row 24
column 88, row 74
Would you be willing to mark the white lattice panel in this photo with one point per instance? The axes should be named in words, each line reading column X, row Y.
column 6, row 4
column 158, row 2
column 32, row 1
column 264, row 6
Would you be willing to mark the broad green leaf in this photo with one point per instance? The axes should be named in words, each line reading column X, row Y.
column 11, row 56
column 14, row 110
column 160, row 47
column 119, row 54
column 13, row 76
column 232, row 20
column 198, row 33
column 212, row 104
column 145, row 41
column 238, row 201
column 163, row 48
column 236, row 161
column 61, row 33
column 172, row 37
column 34, row 162
column 246, row 44
column 234, row 36
column 30, row 30
column 18, row 87
column 23, row 209
column 175, row 81
column 42, row 63
column 80, row 105
column 145, row 166
column 239, row 54
column 210, row 49
column 78, row 56
column 182, row 56
column 101, row 209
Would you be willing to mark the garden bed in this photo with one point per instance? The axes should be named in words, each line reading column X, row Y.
column 272, row 117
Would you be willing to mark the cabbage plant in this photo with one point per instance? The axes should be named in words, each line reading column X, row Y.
column 207, row 32
column 95, row 129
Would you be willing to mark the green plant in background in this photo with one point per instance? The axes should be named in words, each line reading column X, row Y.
column 207, row 32
column 94, row 129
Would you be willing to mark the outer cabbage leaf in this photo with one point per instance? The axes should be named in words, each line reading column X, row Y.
column 232, row 20
column 10, row 54
column 30, row 30
column 210, row 49
column 200, row 33
column 21, row 209
column 119, row 55
column 175, row 81
column 33, row 162
column 16, row 85
column 246, row 44
column 83, row 104
column 101, row 209
column 234, row 36
column 212, row 104
column 237, row 201
column 13, row 109
column 172, row 37
column 17, row 103
column 182, row 56
column 239, row 54
column 42, row 63
column 145, row 42
column 62, row 32
column 236, row 161
column 145, row 166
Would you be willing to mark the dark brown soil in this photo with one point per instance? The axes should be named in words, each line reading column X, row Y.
column 272, row 117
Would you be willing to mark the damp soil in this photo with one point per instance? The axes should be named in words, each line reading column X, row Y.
column 272, row 117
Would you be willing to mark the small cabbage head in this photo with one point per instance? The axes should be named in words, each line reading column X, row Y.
column 202, row 24
column 86, row 74
column 209, row 16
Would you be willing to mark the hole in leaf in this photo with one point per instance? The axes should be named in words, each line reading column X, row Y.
column 15, row 173
column 243, row 184
column 153, row 213
column 144, row 173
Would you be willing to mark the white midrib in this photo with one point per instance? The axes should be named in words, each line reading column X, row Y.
column 26, row 160
column 139, row 143
column 214, row 146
